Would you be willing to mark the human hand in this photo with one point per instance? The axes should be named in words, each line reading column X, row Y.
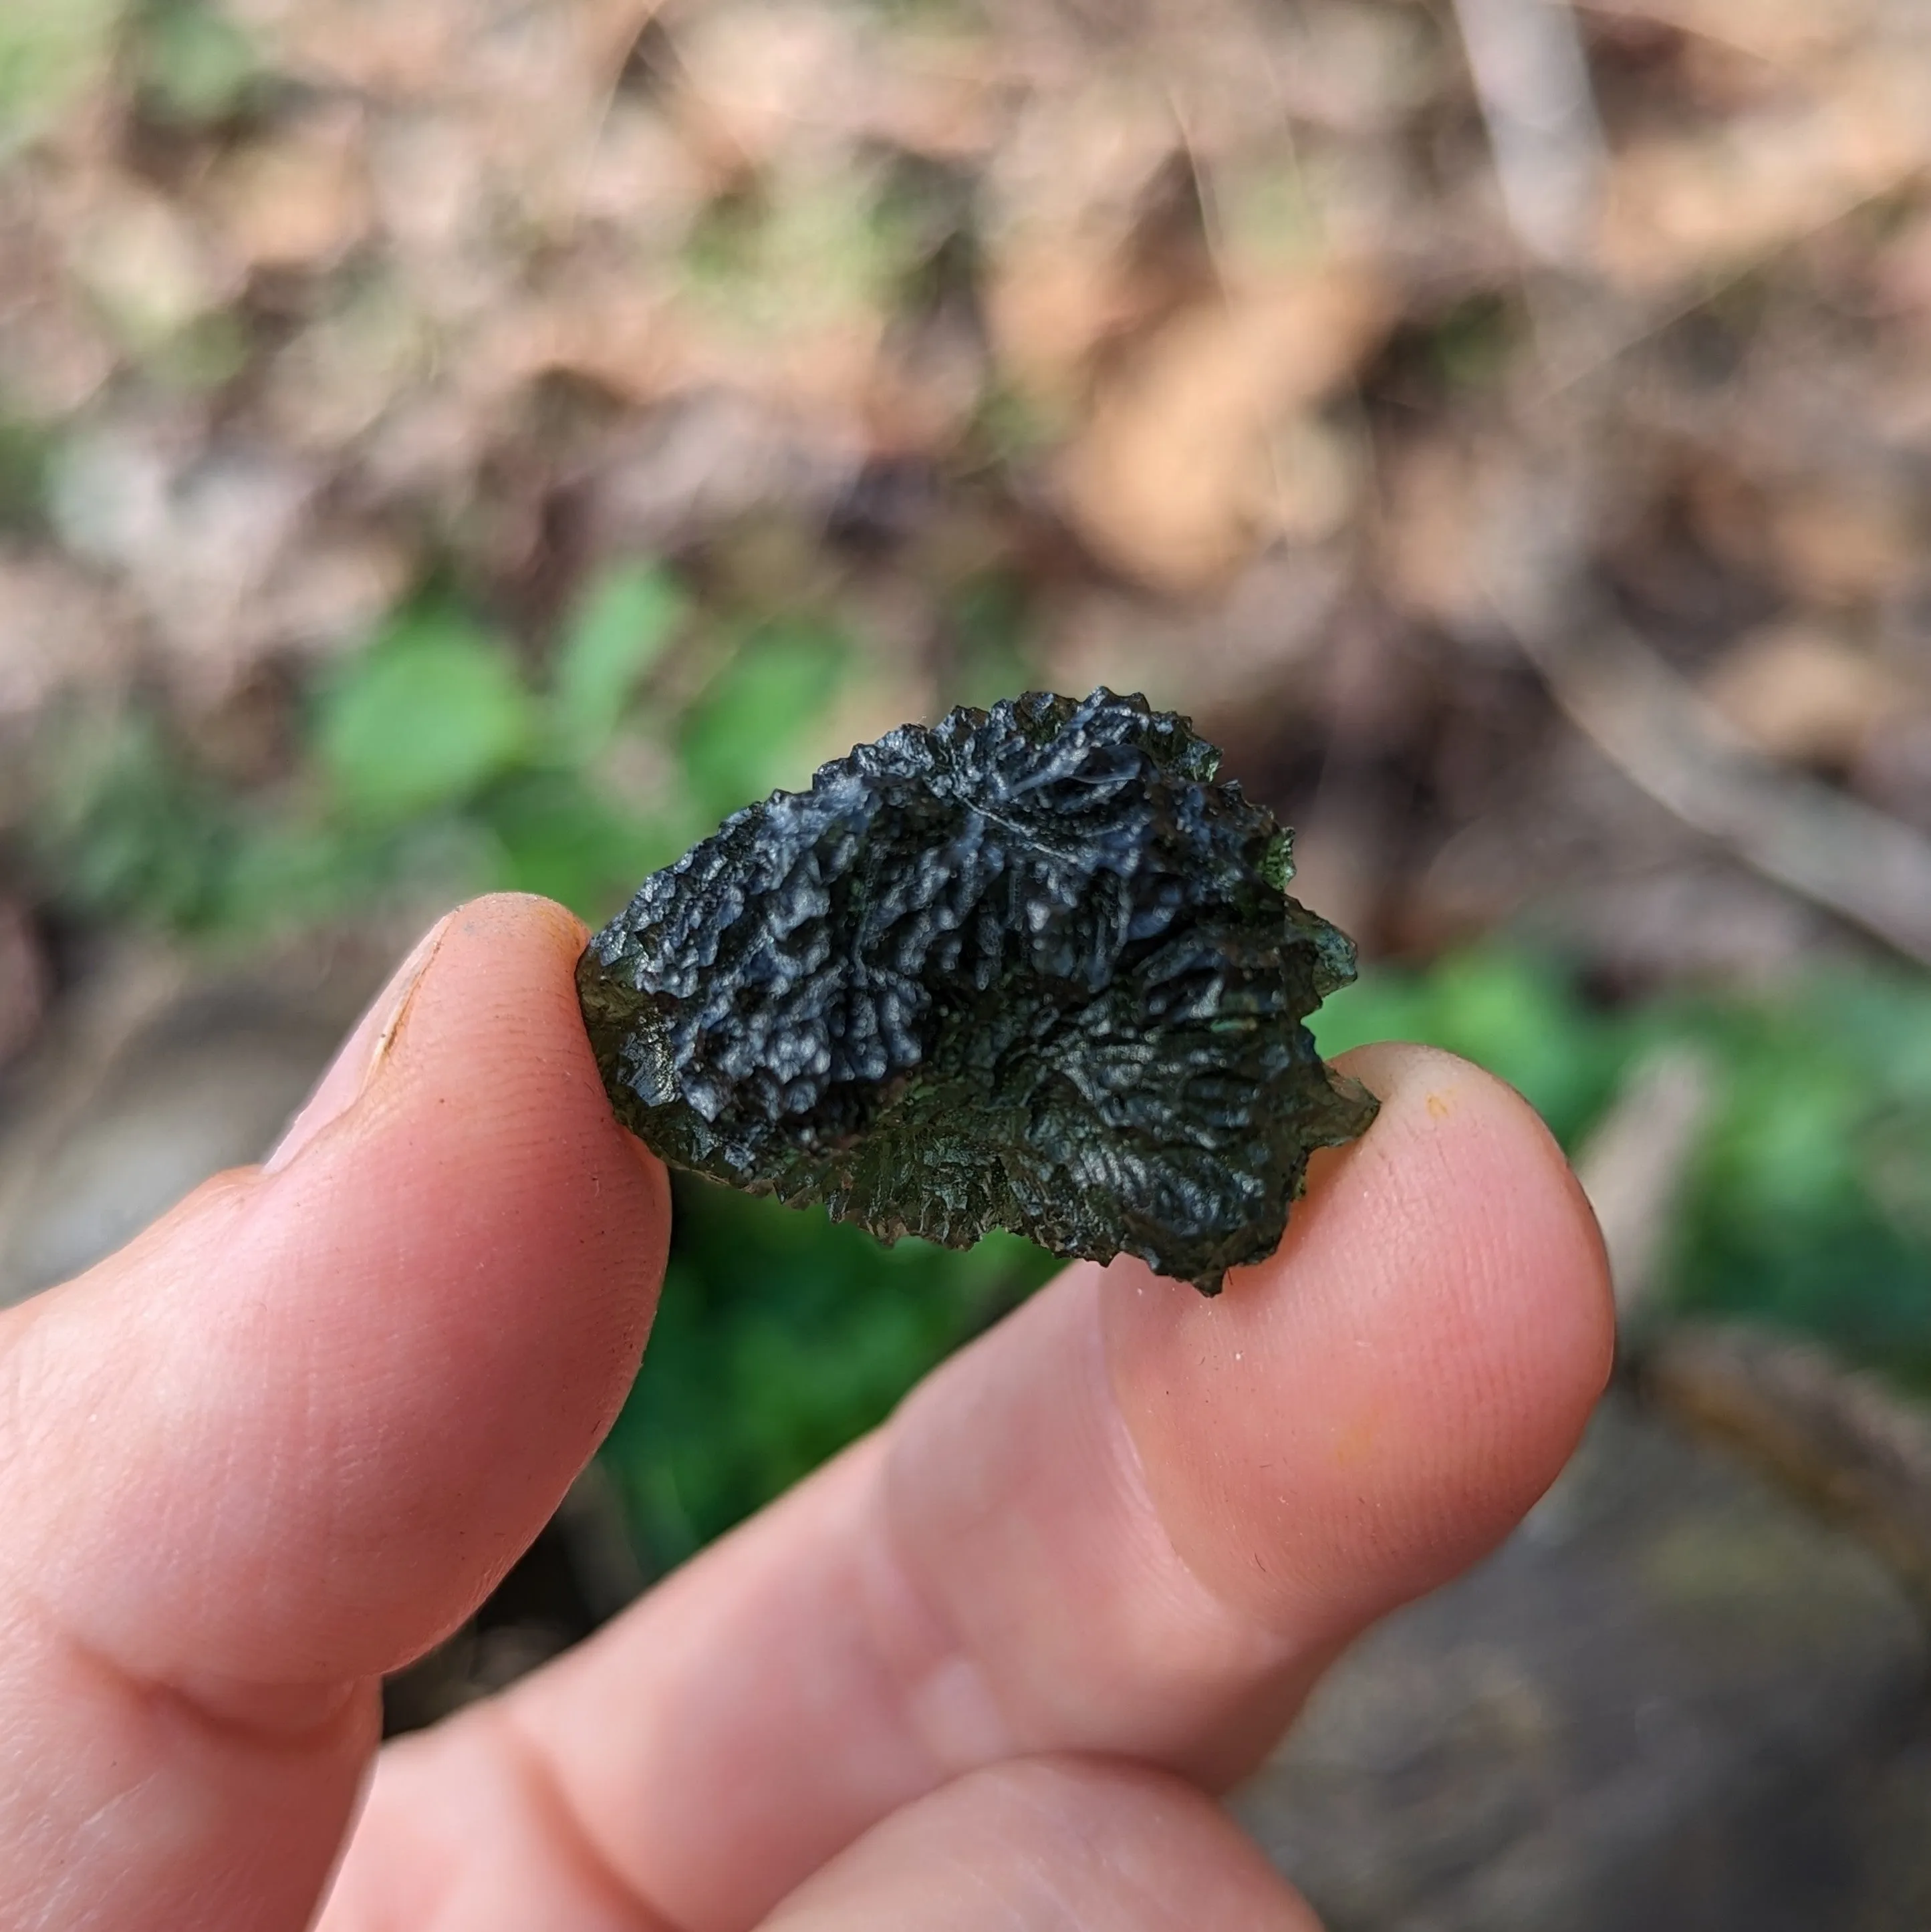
column 979, row 1672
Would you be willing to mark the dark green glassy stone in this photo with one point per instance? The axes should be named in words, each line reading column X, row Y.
column 1032, row 968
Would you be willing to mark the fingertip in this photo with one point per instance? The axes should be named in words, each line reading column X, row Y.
column 498, row 1240
column 355, row 1387
column 510, row 925
column 1517, row 1233
column 514, row 917
column 1358, row 1417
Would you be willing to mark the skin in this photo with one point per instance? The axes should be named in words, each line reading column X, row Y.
column 982, row 1672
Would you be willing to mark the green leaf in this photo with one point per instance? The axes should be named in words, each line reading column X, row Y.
column 781, row 1336
column 286, row 873
column 991, row 622
column 745, row 734
column 559, row 838
column 26, row 451
column 124, row 825
column 1513, row 1012
column 50, row 51
column 195, row 66
column 615, row 638
column 424, row 720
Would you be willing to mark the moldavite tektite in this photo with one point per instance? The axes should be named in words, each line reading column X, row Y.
column 1032, row 968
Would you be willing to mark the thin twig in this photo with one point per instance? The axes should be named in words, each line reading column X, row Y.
column 1826, row 847
column 1532, row 80
column 1659, row 731
column 1633, row 1166
column 624, row 46
column 1839, row 1441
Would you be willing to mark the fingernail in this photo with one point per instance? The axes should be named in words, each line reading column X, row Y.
column 354, row 1067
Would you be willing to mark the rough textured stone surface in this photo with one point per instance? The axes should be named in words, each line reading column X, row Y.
column 1033, row 969
column 1672, row 1703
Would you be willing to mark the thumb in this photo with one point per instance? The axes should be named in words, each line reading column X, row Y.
column 295, row 1432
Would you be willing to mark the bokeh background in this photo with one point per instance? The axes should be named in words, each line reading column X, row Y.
column 478, row 443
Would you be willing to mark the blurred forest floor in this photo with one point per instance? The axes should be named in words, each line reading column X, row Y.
column 479, row 442
column 936, row 347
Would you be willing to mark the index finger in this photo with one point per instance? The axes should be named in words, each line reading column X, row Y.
column 1128, row 1521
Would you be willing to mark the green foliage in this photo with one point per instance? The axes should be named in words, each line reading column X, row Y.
column 1807, row 1198
column 49, row 51
column 1267, row 213
column 1010, row 426
column 558, row 834
column 1809, row 1202
column 193, row 65
column 196, row 356
column 609, row 647
column 26, row 454
column 434, row 765
column 749, row 732
column 786, row 254
column 781, row 1338
column 125, row 827
column 989, row 621
column 424, row 720
column 285, row 870
column 1473, row 345
column 1517, row 1014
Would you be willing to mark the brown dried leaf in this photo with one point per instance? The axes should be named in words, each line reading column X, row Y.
column 1243, row 656
column 1901, row 276
column 1072, row 192
column 610, row 333
column 1053, row 302
column 1839, row 542
column 338, row 378
column 1681, row 206
column 764, row 86
column 1807, row 695
column 1786, row 33
column 200, row 541
column 1180, row 472
column 301, row 201
column 1433, row 533
column 433, row 47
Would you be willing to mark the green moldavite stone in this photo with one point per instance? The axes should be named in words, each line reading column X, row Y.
column 1032, row 968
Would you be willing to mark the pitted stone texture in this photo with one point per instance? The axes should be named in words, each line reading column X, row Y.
column 1034, row 968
